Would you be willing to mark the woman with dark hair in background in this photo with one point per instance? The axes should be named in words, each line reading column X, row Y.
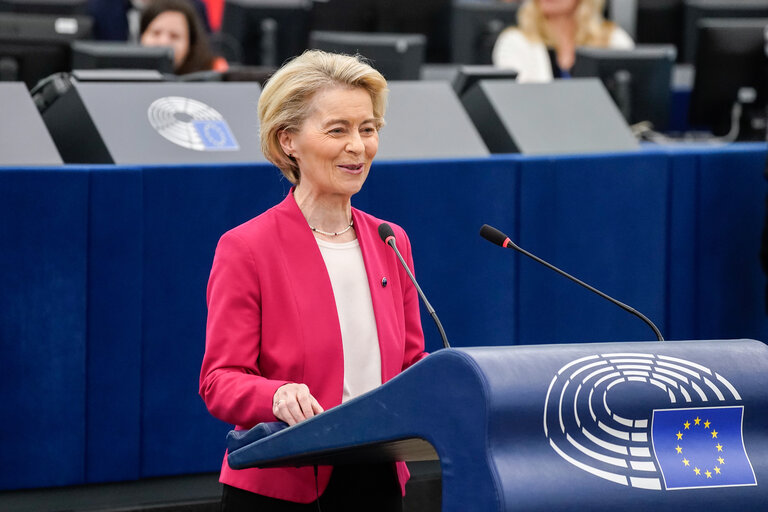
column 175, row 23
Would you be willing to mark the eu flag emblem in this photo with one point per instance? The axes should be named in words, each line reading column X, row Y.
column 215, row 135
column 701, row 447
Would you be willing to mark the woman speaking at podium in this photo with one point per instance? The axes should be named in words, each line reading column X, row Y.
column 307, row 307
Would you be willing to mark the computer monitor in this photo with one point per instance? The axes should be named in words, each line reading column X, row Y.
column 114, row 55
column 731, row 55
column 396, row 56
column 697, row 10
column 659, row 22
column 639, row 80
column 70, row 7
column 428, row 17
column 269, row 31
column 475, row 28
column 467, row 76
column 345, row 15
column 34, row 46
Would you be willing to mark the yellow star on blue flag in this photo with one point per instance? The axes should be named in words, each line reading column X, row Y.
column 701, row 447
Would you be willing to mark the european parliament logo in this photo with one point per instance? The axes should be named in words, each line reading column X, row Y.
column 592, row 421
column 191, row 124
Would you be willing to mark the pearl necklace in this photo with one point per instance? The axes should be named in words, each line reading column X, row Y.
column 326, row 233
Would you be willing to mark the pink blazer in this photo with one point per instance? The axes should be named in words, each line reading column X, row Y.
column 272, row 320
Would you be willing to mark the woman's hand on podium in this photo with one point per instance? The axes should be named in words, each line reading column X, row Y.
column 293, row 403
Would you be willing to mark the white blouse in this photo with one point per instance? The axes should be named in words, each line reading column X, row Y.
column 359, row 337
column 530, row 58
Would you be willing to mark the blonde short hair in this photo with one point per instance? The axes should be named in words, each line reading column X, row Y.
column 591, row 28
column 285, row 102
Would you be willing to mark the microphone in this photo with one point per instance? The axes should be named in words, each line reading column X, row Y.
column 497, row 237
column 388, row 237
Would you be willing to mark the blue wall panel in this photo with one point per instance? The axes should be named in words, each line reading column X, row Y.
column 114, row 325
column 681, row 291
column 442, row 205
column 602, row 220
column 186, row 210
column 731, row 285
column 43, row 250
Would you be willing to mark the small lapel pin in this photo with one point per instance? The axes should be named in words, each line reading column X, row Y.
column 384, row 282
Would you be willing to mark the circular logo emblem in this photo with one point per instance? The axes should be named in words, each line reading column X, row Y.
column 191, row 124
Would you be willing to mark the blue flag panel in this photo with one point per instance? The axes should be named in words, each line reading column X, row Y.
column 701, row 447
column 215, row 135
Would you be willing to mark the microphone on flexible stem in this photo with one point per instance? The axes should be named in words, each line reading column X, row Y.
column 388, row 236
column 497, row 237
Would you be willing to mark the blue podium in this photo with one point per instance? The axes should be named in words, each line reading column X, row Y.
column 601, row 426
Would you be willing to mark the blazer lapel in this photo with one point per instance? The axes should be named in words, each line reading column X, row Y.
column 383, row 281
column 315, row 306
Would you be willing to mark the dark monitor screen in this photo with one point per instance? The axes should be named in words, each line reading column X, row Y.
column 33, row 47
column 269, row 31
column 467, row 76
column 428, row 17
column 70, row 7
column 345, row 15
column 697, row 10
column 114, row 55
column 730, row 56
column 659, row 22
column 638, row 80
column 475, row 28
column 396, row 56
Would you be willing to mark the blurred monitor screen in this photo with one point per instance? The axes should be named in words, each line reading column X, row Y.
column 345, row 15
column 659, row 22
column 70, row 7
column 697, row 10
column 269, row 31
column 730, row 56
column 428, row 17
column 396, row 56
column 113, row 55
column 638, row 80
column 475, row 27
column 467, row 76
column 34, row 46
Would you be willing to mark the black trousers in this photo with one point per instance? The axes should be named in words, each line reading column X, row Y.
column 363, row 487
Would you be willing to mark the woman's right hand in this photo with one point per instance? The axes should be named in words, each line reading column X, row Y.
column 293, row 403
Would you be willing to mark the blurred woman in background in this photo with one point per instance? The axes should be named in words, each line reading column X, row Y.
column 543, row 46
column 175, row 23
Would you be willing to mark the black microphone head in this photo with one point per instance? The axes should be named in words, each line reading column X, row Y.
column 385, row 231
column 494, row 235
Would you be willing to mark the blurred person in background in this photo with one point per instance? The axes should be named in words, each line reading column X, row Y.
column 175, row 23
column 118, row 20
column 543, row 45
